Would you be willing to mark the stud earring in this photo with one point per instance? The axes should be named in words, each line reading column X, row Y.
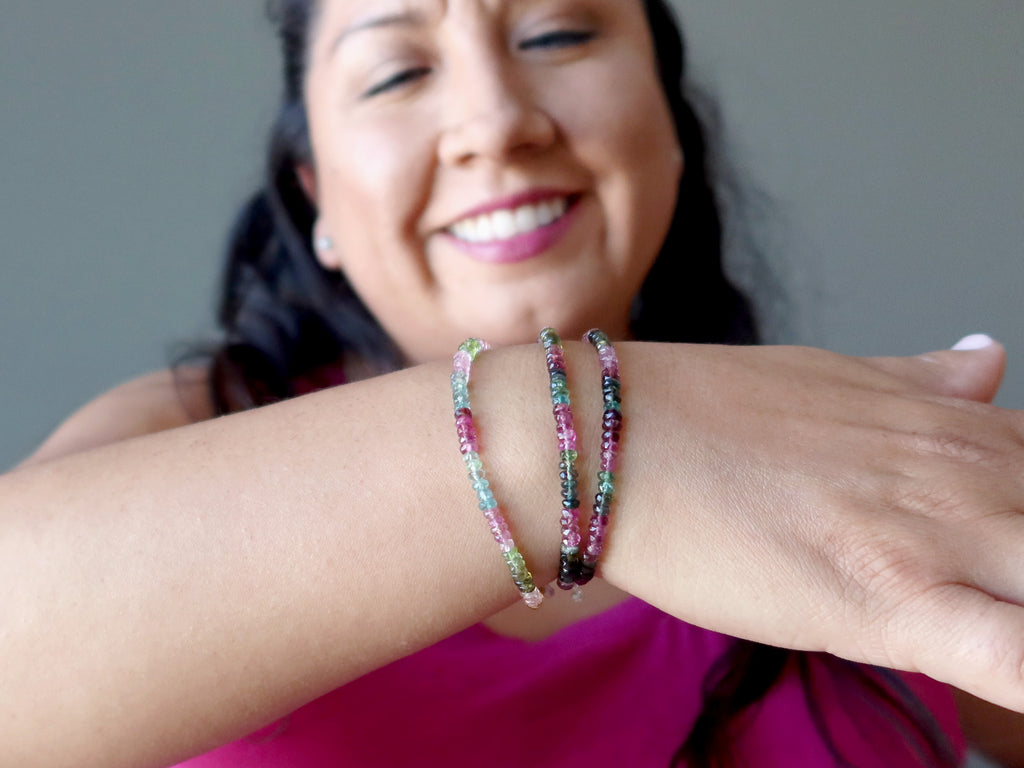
column 323, row 244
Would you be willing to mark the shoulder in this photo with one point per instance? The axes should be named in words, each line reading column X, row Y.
column 150, row 403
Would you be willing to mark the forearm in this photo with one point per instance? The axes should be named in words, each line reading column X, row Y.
column 187, row 587
column 163, row 595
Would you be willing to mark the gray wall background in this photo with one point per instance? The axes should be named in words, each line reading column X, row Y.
column 887, row 135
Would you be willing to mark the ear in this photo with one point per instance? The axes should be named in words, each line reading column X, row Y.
column 307, row 180
column 327, row 256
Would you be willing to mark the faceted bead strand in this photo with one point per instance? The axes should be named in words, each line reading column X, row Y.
column 565, row 430
column 611, row 433
column 469, row 447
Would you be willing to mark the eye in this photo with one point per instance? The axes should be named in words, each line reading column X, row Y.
column 562, row 38
column 397, row 80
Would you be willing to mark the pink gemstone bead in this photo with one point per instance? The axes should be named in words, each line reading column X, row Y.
column 534, row 599
column 499, row 529
column 610, row 460
column 609, row 361
column 462, row 361
column 597, row 532
column 466, row 432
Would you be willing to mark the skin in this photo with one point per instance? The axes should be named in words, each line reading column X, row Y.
column 902, row 562
column 495, row 106
column 271, row 609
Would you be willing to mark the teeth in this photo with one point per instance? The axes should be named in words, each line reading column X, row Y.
column 504, row 224
column 508, row 223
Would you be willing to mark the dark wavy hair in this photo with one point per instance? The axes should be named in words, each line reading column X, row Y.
column 286, row 320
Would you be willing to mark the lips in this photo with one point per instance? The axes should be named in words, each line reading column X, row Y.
column 515, row 230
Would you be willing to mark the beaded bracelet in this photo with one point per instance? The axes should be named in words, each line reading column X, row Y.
column 611, row 426
column 569, row 559
column 470, row 448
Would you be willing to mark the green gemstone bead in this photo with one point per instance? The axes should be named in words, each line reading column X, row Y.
column 514, row 558
column 473, row 346
column 570, row 457
column 549, row 336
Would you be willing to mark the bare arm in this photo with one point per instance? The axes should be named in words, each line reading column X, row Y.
column 151, row 403
column 187, row 587
column 192, row 585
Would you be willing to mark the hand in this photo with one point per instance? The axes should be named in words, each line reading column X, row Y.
column 863, row 507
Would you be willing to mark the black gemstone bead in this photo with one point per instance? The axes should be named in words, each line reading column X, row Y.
column 611, row 419
column 586, row 573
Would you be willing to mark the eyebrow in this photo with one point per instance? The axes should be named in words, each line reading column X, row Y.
column 404, row 19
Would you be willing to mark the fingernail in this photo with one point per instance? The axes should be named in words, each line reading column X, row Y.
column 974, row 341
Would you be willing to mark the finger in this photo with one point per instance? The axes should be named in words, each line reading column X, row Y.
column 993, row 563
column 964, row 637
column 972, row 370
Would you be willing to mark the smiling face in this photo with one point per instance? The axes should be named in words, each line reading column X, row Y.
column 489, row 167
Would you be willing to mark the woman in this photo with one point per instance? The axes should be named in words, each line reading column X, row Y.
column 479, row 168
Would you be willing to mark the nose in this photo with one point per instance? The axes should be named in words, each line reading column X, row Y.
column 492, row 115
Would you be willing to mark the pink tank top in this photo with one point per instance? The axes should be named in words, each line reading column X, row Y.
column 618, row 689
